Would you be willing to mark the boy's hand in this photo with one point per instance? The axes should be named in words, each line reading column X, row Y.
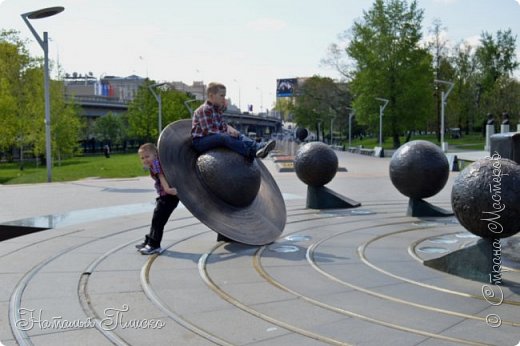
column 171, row 191
column 232, row 132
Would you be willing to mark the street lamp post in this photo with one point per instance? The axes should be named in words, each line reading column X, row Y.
column 350, row 116
column 44, row 43
column 261, row 98
column 159, row 102
column 381, row 111
column 187, row 105
column 239, row 99
column 444, row 97
column 331, row 125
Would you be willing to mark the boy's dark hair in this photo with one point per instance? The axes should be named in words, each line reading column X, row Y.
column 214, row 87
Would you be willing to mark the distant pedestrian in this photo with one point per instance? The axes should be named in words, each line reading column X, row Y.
column 165, row 203
column 106, row 150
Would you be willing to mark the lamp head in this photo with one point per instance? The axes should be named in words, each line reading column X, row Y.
column 43, row 13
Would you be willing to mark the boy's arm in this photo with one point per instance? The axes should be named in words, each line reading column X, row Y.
column 169, row 190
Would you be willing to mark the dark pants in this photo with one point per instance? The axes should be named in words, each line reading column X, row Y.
column 164, row 206
column 243, row 145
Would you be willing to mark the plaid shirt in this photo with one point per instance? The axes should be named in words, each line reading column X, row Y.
column 208, row 119
column 155, row 170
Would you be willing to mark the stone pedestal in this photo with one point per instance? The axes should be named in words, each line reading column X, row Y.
column 507, row 145
column 504, row 128
column 490, row 131
column 474, row 262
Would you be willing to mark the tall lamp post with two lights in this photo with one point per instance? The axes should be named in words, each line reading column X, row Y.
column 444, row 97
column 381, row 112
column 350, row 116
column 44, row 43
column 159, row 102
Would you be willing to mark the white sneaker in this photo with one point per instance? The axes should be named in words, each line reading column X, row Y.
column 148, row 250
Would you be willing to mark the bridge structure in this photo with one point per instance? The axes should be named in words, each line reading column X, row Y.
column 93, row 107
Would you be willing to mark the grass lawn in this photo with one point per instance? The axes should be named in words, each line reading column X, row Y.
column 473, row 141
column 129, row 165
column 117, row 166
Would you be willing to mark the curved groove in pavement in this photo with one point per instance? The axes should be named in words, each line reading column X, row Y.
column 225, row 296
column 84, row 297
column 310, row 258
column 361, row 252
column 257, row 264
column 22, row 338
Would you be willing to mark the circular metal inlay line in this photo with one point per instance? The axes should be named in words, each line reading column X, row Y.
column 84, row 297
column 224, row 295
column 149, row 290
column 310, row 258
column 150, row 293
column 361, row 252
column 463, row 236
column 22, row 338
column 258, row 266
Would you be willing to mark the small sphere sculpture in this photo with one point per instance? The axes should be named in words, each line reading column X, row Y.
column 315, row 164
column 301, row 133
column 419, row 169
column 229, row 176
column 485, row 197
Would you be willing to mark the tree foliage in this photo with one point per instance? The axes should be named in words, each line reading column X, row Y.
column 111, row 128
column 321, row 101
column 390, row 64
column 22, row 104
column 143, row 111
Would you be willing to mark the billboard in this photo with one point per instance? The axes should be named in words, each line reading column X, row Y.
column 286, row 87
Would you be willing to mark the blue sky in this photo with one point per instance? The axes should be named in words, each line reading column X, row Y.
column 246, row 44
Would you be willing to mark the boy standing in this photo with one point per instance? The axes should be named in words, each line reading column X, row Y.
column 165, row 204
column 209, row 130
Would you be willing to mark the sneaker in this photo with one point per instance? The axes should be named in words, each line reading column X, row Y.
column 140, row 246
column 148, row 250
column 264, row 151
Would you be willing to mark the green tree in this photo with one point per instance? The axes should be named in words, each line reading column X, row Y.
column 320, row 102
column 143, row 111
column 496, row 59
column 442, row 71
column 285, row 106
column 22, row 111
column 390, row 64
column 110, row 128
column 17, row 83
column 65, row 123
column 463, row 102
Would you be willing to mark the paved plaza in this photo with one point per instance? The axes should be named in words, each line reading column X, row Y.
column 334, row 277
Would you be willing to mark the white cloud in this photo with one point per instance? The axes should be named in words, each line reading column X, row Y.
column 518, row 1
column 447, row 1
column 473, row 41
column 267, row 24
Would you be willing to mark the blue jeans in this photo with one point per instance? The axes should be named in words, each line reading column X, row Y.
column 243, row 145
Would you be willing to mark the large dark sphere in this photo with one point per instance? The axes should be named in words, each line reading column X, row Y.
column 419, row 169
column 229, row 176
column 485, row 197
column 301, row 133
column 315, row 164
